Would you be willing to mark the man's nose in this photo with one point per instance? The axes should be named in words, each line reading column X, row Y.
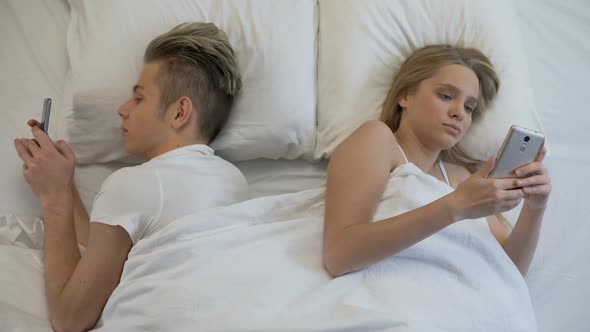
column 123, row 110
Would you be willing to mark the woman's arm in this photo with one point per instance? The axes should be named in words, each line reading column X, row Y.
column 357, row 175
column 499, row 226
column 520, row 242
column 536, row 185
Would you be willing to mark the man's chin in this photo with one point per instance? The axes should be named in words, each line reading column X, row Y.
column 131, row 150
column 136, row 155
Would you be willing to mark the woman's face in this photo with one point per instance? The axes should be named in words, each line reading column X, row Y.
column 439, row 111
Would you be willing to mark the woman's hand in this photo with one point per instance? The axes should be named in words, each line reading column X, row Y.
column 478, row 196
column 535, row 182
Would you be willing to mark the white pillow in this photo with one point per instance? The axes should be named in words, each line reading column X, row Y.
column 274, row 115
column 362, row 44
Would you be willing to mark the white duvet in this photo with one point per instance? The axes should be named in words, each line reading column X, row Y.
column 256, row 266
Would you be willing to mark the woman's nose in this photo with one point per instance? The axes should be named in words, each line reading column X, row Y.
column 458, row 112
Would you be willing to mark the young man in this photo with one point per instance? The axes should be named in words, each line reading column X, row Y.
column 180, row 103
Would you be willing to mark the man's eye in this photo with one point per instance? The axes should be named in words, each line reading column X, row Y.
column 469, row 109
column 137, row 100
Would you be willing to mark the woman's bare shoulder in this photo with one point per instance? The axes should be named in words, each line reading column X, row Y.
column 376, row 130
column 374, row 138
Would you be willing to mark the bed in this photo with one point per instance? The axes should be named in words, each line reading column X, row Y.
column 37, row 58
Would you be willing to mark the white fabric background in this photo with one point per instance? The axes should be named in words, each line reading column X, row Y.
column 33, row 64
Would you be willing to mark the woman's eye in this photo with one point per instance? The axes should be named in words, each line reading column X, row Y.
column 137, row 100
column 445, row 96
column 469, row 109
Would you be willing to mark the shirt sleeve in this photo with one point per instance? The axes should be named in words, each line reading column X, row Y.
column 129, row 198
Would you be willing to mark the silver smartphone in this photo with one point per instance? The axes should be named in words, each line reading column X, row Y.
column 44, row 125
column 521, row 146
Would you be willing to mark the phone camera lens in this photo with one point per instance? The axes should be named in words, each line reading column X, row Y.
column 527, row 138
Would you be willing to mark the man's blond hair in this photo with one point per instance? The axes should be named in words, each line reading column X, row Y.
column 197, row 61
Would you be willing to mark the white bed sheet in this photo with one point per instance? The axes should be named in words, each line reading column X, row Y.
column 555, row 34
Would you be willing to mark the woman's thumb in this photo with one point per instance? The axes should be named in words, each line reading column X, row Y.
column 487, row 168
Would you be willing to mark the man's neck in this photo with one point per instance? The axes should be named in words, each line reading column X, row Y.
column 172, row 145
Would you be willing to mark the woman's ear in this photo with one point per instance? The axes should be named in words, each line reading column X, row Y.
column 403, row 100
column 181, row 114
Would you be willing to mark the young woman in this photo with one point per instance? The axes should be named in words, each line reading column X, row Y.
column 437, row 94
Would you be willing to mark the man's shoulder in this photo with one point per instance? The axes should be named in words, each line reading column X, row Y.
column 199, row 164
column 131, row 176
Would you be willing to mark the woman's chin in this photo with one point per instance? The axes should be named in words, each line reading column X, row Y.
column 448, row 143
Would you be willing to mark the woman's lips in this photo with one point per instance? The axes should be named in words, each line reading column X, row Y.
column 454, row 128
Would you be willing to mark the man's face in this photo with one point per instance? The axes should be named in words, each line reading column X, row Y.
column 143, row 126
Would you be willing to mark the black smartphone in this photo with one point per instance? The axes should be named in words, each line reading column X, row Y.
column 44, row 125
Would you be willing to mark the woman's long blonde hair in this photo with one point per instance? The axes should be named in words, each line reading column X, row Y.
column 423, row 64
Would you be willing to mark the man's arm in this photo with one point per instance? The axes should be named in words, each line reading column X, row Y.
column 79, row 287
column 81, row 218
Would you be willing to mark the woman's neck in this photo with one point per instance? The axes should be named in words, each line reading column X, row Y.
column 416, row 152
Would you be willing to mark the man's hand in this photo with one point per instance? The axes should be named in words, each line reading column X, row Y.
column 47, row 167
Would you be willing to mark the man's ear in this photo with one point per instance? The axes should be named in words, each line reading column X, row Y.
column 181, row 114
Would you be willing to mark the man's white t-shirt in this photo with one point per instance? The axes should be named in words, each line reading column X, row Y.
column 145, row 198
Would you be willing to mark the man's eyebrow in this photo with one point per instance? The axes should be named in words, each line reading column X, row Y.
column 456, row 90
column 137, row 86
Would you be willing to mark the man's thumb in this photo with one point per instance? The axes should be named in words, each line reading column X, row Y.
column 65, row 150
